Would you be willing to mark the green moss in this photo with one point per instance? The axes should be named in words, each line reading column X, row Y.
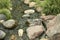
column 6, row 12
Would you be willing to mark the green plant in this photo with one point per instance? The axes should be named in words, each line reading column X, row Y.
column 6, row 12
column 49, row 6
column 5, row 4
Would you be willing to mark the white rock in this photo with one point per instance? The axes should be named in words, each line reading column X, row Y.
column 29, row 11
column 34, row 31
column 32, row 4
column 20, row 32
column 9, row 23
column 26, row 1
column 2, row 34
column 26, row 15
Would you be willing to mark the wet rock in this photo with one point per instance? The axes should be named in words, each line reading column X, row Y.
column 9, row 23
column 32, row 4
column 34, row 31
column 20, row 32
column 2, row 34
column 26, row 1
column 29, row 11
column 54, row 26
column 3, row 17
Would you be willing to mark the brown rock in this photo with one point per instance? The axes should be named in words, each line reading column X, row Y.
column 34, row 31
column 54, row 26
column 48, row 20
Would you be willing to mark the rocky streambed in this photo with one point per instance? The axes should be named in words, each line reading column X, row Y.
column 28, row 24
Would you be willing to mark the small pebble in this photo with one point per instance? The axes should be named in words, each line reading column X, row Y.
column 20, row 32
column 2, row 34
column 29, row 11
column 13, row 37
column 9, row 23
column 39, row 9
column 26, row 1
column 32, row 4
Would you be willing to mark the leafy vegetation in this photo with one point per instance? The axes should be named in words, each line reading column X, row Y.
column 49, row 6
column 6, row 12
column 5, row 6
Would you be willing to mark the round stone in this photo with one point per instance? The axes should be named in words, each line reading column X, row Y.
column 3, row 17
column 9, row 23
column 26, row 15
column 2, row 34
column 29, row 11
